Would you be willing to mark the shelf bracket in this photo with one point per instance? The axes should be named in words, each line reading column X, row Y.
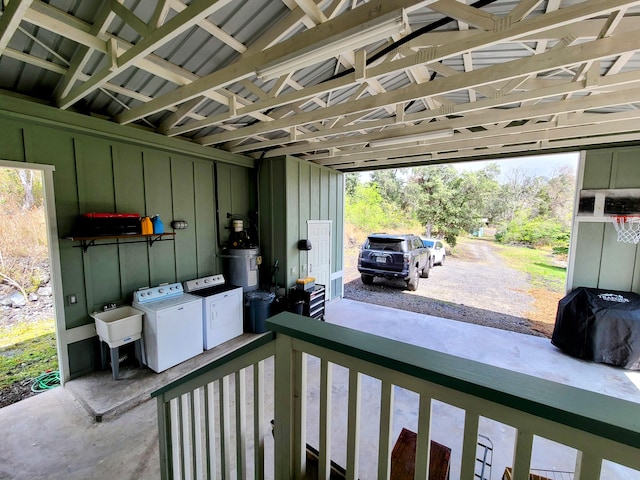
column 86, row 244
column 151, row 240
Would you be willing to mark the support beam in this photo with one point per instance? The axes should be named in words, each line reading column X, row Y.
column 595, row 50
column 197, row 11
column 10, row 20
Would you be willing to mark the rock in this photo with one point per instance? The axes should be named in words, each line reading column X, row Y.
column 45, row 291
column 33, row 297
column 6, row 301
column 18, row 300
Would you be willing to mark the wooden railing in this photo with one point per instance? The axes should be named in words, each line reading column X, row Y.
column 204, row 432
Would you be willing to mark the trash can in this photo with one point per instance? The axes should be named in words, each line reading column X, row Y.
column 257, row 309
column 296, row 306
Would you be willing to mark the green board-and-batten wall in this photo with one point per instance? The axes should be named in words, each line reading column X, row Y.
column 104, row 167
column 597, row 259
column 292, row 191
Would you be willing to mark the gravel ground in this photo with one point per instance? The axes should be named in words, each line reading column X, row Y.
column 474, row 285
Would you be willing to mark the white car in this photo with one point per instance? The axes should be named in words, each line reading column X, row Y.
column 438, row 252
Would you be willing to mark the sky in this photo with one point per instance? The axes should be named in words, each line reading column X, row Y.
column 533, row 166
column 538, row 165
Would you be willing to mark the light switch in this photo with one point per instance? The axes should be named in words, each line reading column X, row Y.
column 72, row 298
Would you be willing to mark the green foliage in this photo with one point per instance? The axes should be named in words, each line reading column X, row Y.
column 538, row 264
column 536, row 231
column 445, row 202
column 27, row 350
column 450, row 202
column 350, row 183
column 364, row 208
column 368, row 211
column 23, row 236
column 25, row 186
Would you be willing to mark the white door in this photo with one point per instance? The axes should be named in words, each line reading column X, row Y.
column 319, row 258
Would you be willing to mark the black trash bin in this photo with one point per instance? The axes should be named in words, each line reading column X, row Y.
column 257, row 309
column 295, row 306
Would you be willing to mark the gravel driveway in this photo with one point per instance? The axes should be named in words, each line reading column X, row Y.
column 474, row 285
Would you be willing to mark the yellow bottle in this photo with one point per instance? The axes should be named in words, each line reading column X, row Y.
column 147, row 226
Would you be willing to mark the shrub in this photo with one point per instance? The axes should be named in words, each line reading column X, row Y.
column 534, row 232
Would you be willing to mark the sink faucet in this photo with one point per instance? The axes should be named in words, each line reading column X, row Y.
column 109, row 306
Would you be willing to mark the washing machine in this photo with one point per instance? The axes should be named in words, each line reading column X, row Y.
column 221, row 308
column 171, row 326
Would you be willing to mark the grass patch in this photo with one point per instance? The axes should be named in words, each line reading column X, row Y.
column 538, row 264
column 27, row 350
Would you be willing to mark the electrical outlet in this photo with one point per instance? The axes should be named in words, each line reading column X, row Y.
column 293, row 270
column 72, row 298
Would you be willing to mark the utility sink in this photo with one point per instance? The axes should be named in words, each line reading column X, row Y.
column 118, row 326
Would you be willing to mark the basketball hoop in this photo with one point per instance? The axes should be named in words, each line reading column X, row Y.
column 628, row 228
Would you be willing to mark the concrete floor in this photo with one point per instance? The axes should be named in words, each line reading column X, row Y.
column 55, row 434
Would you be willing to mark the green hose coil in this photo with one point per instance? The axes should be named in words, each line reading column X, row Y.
column 46, row 381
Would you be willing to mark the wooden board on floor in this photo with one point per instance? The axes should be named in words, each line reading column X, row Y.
column 403, row 458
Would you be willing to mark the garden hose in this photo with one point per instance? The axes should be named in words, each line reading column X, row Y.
column 46, row 381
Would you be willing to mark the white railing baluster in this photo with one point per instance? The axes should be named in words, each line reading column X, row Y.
column 176, row 439
column 241, row 424
column 423, row 443
column 300, row 412
column 225, row 428
column 326, row 380
column 469, row 442
column 258, row 420
column 588, row 466
column 353, row 427
column 187, row 445
column 196, row 433
column 386, row 417
column 522, row 455
column 284, row 462
column 165, row 436
column 210, row 432
column 182, row 439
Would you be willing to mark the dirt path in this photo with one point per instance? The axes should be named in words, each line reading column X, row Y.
column 474, row 285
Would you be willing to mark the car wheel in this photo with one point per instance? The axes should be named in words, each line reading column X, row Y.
column 367, row 279
column 424, row 273
column 442, row 261
column 412, row 283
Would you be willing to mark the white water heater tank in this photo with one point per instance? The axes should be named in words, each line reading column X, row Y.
column 243, row 267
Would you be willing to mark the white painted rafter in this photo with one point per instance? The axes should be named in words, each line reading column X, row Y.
column 10, row 20
column 576, row 54
column 174, row 27
column 573, row 71
column 456, row 48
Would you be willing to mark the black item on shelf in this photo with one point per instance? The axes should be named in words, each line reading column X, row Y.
column 107, row 224
column 304, row 244
column 600, row 325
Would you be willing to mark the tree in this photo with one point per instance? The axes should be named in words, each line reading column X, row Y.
column 351, row 181
column 539, row 209
column 390, row 187
column 450, row 202
column 364, row 208
column 23, row 184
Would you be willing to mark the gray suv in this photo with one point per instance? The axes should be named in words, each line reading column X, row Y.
column 394, row 256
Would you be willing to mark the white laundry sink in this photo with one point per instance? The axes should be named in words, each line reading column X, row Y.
column 118, row 326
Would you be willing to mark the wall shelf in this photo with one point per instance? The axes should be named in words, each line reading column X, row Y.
column 150, row 239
